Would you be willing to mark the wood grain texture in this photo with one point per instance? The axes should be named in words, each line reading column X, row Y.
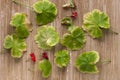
column 108, row 46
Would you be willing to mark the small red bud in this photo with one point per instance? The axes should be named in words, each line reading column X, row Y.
column 33, row 58
column 74, row 14
column 44, row 55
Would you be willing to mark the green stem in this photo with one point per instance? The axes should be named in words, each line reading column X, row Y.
column 105, row 62
column 2, row 51
column 27, row 60
column 20, row 3
column 113, row 32
column 31, row 70
column 72, row 3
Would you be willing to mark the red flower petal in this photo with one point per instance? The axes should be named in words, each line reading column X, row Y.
column 32, row 54
column 33, row 58
column 74, row 14
column 44, row 55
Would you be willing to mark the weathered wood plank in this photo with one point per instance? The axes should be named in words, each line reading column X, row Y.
column 108, row 46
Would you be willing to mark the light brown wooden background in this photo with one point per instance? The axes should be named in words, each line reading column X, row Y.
column 108, row 46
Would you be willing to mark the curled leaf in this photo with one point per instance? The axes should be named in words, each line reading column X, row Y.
column 66, row 21
column 75, row 39
column 46, row 37
column 45, row 67
column 16, row 45
column 86, row 62
column 71, row 4
column 45, row 10
column 62, row 58
column 94, row 21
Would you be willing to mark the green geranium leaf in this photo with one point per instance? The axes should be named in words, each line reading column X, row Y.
column 45, row 67
column 45, row 10
column 75, row 39
column 46, row 37
column 94, row 21
column 22, row 24
column 62, row 58
column 16, row 45
column 86, row 62
column 22, row 31
column 18, row 19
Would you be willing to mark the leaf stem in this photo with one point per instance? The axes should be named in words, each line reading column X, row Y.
column 2, row 51
column 31, row 70
column 113, row 32
column 72, row 3
column 20, row 3
column 27, row 60
column 105, row 62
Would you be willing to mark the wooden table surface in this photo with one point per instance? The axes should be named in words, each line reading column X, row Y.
column 108, row 46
